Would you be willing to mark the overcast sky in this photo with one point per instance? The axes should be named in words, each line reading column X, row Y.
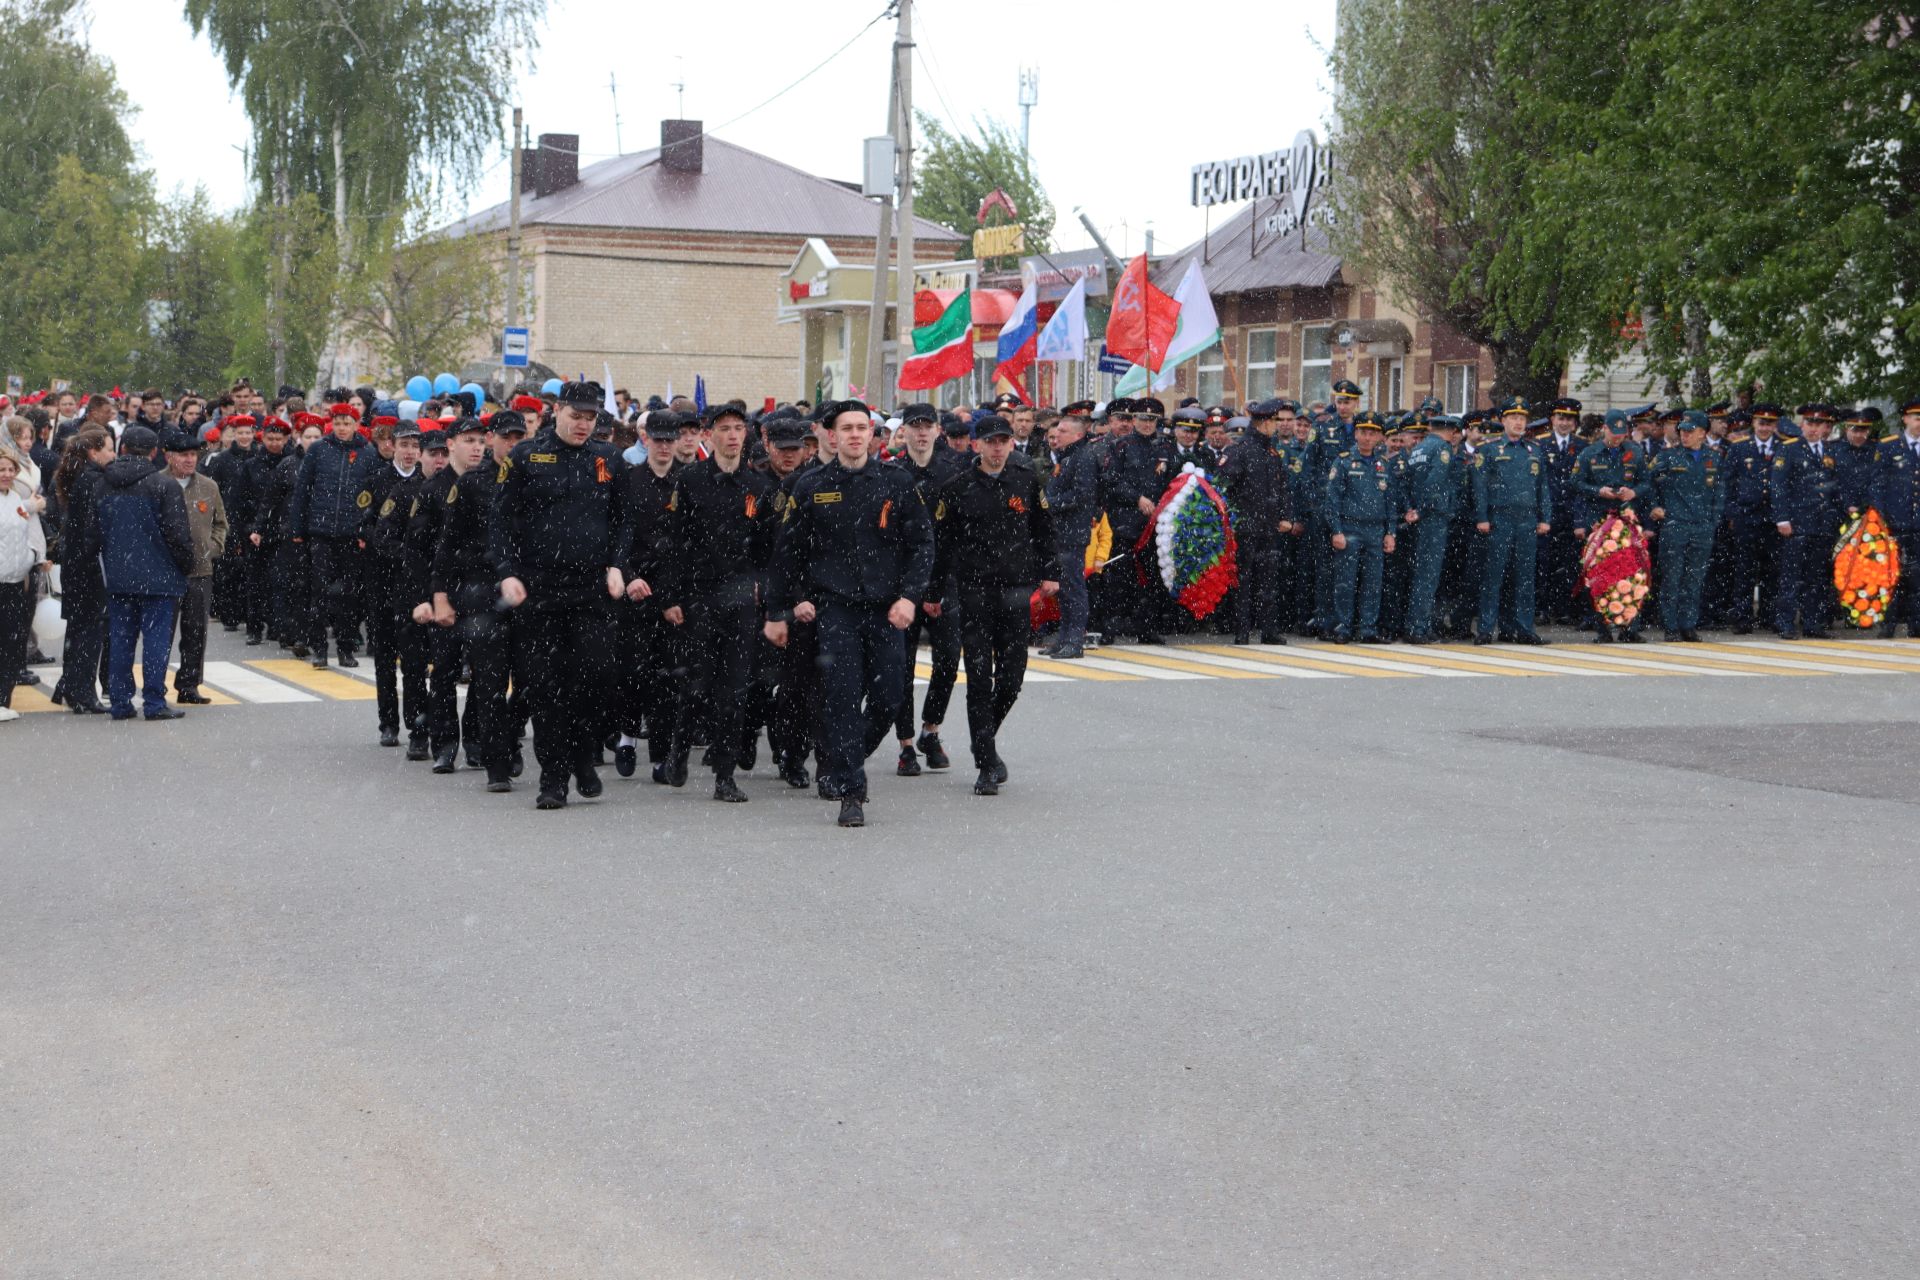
column 1131, row 95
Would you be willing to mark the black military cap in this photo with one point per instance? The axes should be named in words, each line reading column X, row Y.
column 918, row 413
column 432, row 440
column 989, row 425
column 464, row 425
column 504, row 423
column 580, row 395
column 1149, row 407
column 1078, row 409
column 715, row 412
column 1737, row 418
column 1910, row 405
column 1867, row 416
column 180, row 442
column 1720, row 409
column 834, row 408
column 954, row 424
column 1565, row 404
column 1514, row 404
column 1264, row 408
column 1369, row 419
column 406, row 429
column 1643, row 411
column 1006, row 400
column 1192, row 419
column 1819, row 409
column 787, row 433
column 1766, row 409
column 1119, row 407
column 664, row 424
column 1346, row 389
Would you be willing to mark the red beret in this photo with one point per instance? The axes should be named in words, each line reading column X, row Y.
column 342, row 411
column 386, row 420
column 212, row 434
column 528, row 404
column 274, row 424
column 364, row 432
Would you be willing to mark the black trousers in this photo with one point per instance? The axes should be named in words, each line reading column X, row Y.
column 1805, row 588
column 293, row 592
column 480, row 638
column 1557, row 575
column 16, row 625
column 398, row 646
column 943, row 642
column 794, row 725
column 1136, row 596
column 1756, row 566
column 336, row 592
column 84, row 652
column 230, row 580
column 995, row 625
column 860, row 660
column 721, row 628
column 645, row 648
column 563, row 658
column 190, row 628
column 1257, row 603
column 260, row 570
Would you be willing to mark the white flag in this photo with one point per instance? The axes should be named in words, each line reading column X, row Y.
column 1065, row 337
column 1198, row 330
column 606, row 389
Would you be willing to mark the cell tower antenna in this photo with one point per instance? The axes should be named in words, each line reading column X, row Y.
column 1029, row 99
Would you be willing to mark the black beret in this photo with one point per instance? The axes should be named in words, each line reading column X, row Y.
column 580, row 395
column 991, row 424
column 918, row 412
column 783, row 433
column 504, row 423
column 715, row 412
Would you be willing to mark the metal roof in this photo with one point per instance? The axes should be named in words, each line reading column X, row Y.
column 1233, row 265
column 738, row 191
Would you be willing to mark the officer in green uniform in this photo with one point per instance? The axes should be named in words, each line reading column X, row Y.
column 1434, row 471
column 1362, row 505
column 1511, row 504
column 1688, row 497
column 1606, row 481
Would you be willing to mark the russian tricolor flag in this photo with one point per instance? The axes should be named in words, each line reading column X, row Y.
column 1018, row 337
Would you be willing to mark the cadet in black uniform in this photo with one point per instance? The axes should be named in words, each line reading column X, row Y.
column 265, row 528
column 993, row 539
column 1254, row 482
column 389, row 492
column 793, row 724
column 1137, row 469
column 720, row 525
column 931, row 464
column 552, row 546
column 856, row 552
column 1073, row 498
column 647, row 647
column 456, row 513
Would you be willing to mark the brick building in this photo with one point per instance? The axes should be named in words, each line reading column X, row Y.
column 1293, row 321
column 666, row 264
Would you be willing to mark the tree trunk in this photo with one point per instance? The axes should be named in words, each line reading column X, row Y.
column 343, row 246
column 1513, row 374
column 282, row 272
column 1700, row 390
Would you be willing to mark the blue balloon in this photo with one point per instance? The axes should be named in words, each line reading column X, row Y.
column 419, row 387
column 478, row 392
column 551, row 387
column 445, row 385
column 410, row 409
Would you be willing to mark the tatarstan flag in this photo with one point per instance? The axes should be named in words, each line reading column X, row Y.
column 942, row 350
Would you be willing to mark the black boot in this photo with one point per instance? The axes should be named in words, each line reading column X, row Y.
column 389, row 737
column 909, row 766
column 586, row 781
column 851, row 813
column 986, row 784
column 929, row 744
column 728, row 790
column 446, row 760
column 794, row 774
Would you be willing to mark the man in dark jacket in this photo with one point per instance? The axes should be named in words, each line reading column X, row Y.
column 1073, row 496
column 324, row 516
column 1254, row 479
column 146, row 552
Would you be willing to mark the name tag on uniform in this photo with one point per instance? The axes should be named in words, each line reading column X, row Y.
column 830, row 495
column 543, row 457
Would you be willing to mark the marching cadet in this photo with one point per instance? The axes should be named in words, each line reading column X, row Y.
column 1749, row 519
column 323, row 518
column 1255, row 483
column 720, row 527
column 1558, row 573
column 646, row 645
column 263, row 530
column 1606, row 481
column 856, row 552
column 232, row 470
column 386, row 505
column 1435, row 470
column 793, row 724
column 1073, row 497
column 417, row 540
column 1805, row 498
column 993, row 540
column 931, row 464
column 1362, row 505
column 455, row 516
column 1896, row 494
column 1512, row 506
column 552, row 545
column 1689, row 497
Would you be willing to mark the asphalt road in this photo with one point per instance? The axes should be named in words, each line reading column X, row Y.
column 1396, row 978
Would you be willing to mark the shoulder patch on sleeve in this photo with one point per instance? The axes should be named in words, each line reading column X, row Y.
column 364, row 500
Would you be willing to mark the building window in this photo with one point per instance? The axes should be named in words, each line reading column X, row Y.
column 1458, row 392
column 1262, row 346
column 1212, row 370
column 1392, row 384
column 1316, row 364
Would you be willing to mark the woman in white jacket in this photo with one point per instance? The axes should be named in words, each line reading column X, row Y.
column 23, row 548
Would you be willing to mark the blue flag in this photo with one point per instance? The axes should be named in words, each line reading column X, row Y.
column 699, row 393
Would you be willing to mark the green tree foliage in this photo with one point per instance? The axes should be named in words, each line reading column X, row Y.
column 292, row 243
column 423, row 300
column 83, row 284
column 193, row 292
column 953, row 172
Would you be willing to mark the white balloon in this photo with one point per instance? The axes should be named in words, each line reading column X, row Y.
column 49, row 628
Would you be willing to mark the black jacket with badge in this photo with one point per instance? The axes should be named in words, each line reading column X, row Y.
column 859, row 536
column 993, row 530
column 645, row 545
column 385, row 533
column 721, row 526
column 555, row 522
column 1134, row 468
column 462, row 557
column 1256, row 480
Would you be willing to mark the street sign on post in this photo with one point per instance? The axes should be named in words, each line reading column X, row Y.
column 1113, row 364
column 513, row 349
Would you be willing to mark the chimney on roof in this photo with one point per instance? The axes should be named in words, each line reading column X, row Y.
column 683, row 145
column 556, row 165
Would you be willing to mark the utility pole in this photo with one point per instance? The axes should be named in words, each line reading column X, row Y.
column 613, row 87
column 513, row 249
column 903, row 76
column 1029, row 99
column 877, row 316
